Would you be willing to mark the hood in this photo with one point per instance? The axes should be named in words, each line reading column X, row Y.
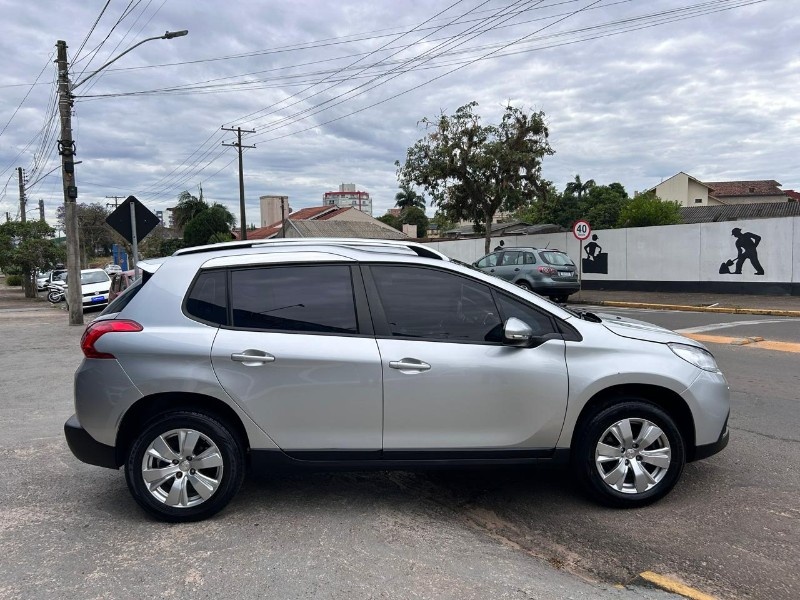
column 92, row 288
column 641, row 330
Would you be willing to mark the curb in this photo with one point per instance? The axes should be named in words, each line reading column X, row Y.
column 713, row 309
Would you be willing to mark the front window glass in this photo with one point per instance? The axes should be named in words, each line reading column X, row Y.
column 436, row 305
column 312, row 299
column 487, row 261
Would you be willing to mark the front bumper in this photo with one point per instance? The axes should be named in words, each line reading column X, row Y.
column 705, row 450
column 86, row 448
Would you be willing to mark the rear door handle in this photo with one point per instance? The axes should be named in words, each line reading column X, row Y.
column 253, row 358
column 409, row 364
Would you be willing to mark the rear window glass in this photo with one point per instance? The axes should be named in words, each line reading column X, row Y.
column 207, row 300
column 556, row 258
column 310, row 299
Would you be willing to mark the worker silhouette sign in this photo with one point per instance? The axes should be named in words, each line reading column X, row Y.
column 595, row 261
column 746, row 249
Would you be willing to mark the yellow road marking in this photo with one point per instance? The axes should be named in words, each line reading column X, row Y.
column 675, row 586
column 751, row 342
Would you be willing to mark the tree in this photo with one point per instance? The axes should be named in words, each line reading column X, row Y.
column 391, row 221
column 415, row 216
column 472, row 170
column 443, row 222
column 206, row 227
column 578, row 188
column 188, row 208
column 603, row 204
column 407, row 197
column 550, row 206
column 646, row 210
column 96, row 236
column 26, row 247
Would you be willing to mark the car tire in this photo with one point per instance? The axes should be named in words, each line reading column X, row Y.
column 525, row 285
column 185, row 466
column 629, row 454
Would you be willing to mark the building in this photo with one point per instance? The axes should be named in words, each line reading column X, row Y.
column 690, row 191
column 349, row 196
column 271, row 209
column 325, row 213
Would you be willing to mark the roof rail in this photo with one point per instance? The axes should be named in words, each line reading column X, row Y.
column 419, row 249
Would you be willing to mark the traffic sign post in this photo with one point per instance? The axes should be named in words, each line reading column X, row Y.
column 132, row 220
column 581, row 230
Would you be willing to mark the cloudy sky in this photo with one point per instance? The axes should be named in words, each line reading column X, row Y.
column 633, row 91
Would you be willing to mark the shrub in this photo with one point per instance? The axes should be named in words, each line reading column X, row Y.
column 15, row 280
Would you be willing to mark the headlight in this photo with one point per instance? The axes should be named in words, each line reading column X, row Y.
column 702, row 359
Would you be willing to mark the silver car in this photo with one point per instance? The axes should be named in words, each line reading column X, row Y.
column 375, row 355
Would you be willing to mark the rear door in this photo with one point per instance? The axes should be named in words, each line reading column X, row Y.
column 509, row 265
column 299, row 356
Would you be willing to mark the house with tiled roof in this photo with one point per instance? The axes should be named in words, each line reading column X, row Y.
column 371, row 228
column 690, row 191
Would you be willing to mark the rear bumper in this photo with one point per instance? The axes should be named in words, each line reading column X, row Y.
column 86, row 448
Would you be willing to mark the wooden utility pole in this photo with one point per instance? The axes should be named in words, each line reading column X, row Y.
column 116, row 200
column 41, row 210
column 238, row 145
column 22, row 201
column 283, row 220
column 66, row 148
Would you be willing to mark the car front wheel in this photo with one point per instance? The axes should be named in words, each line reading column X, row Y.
column 185, row 466
column 629, row 454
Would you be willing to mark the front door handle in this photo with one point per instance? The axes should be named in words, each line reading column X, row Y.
column 409, row 364
column 253, row 358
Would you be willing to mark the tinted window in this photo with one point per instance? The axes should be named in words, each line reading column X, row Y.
column 207, row 299
column 431, row 304
column 557, row 258
column 530, row 258
column 540, row 322
column 512, row 258
column 317, row 299
column 124, row 298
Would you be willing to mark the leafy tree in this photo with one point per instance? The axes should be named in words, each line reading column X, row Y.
column 550, row 206
column 407, row 197
column 646, row 210
column 415, row 216
column 159, row 243
column 188, row 208
column 95, row 235
column 603, row 204
column 392, row 221
column 25, row 247
column 208, row 225
column 442, row 221
column 472, row 170
column 579, row 188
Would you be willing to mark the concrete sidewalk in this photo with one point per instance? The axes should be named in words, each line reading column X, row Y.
column 730, row 303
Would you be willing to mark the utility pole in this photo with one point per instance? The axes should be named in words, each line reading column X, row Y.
column 116, row 200
column 283, row 220
column 22, row 199
column 66, row 148
column 238, row 145
column 8, row 216
column 41, row 210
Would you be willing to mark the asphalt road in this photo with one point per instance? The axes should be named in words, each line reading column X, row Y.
column 730, row 528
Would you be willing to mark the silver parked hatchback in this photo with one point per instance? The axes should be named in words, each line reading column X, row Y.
column 369, row 354
column 548, row 272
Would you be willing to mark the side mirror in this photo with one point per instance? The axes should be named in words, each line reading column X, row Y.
column 517, row 332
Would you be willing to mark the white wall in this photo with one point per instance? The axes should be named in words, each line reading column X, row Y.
column 675, row 253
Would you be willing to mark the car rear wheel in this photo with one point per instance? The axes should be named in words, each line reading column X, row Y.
column 185, row 466
column 525, row 285
column 629, row 454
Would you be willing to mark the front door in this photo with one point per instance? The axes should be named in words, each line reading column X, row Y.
column 449, row 383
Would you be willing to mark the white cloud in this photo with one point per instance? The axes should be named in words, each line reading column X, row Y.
column 716, row 96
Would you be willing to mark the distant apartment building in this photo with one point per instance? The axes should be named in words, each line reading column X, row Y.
column 349, row 197
column 271, row 209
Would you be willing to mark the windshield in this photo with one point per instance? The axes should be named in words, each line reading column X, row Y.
column 93, row 277
column 556, row 258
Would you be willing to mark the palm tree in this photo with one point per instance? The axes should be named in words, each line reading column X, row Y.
column 407, row 198
column 188, row 208
column 579, row 188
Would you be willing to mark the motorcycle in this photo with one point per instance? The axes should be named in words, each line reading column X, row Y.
column 56, row 293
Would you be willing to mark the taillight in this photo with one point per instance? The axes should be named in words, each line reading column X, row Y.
column 548, row 271
column 98, row 329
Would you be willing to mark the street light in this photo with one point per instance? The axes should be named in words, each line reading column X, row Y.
column 66, row 148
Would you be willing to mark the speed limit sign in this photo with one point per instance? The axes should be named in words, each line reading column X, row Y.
column 581, row 229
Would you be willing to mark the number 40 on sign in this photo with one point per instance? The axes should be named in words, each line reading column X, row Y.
column 581, row 230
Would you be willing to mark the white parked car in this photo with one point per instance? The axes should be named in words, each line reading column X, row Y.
column 95, row 285
column 111, row 268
